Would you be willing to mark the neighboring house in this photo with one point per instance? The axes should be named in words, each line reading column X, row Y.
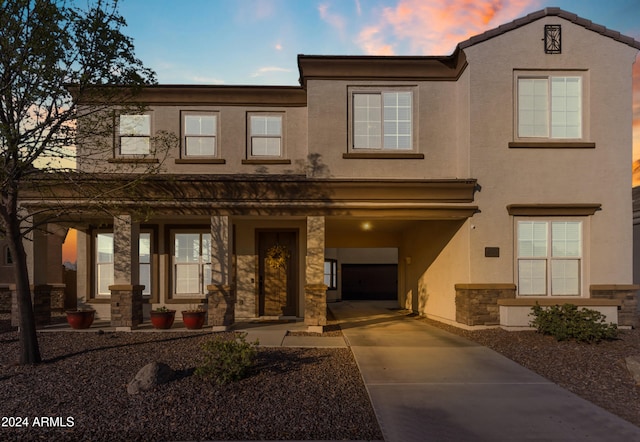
column 477, row 183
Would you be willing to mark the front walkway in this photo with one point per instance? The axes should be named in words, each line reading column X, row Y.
column 426, row 384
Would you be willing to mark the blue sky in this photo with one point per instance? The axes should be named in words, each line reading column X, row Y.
column 256, row 41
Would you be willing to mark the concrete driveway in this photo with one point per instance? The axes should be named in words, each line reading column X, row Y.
column 426, row 384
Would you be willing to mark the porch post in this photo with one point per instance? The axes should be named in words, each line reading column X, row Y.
column 221, row 297
column 315, row 290
column 126, row 291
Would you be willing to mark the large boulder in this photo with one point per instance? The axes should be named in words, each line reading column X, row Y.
column 149, row 376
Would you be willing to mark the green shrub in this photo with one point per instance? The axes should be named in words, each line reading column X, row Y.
column 227, row 360
column 568, row 322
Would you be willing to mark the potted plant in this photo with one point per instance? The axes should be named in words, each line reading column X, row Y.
column 194, row 318
column 162, row 318
column 80, row 318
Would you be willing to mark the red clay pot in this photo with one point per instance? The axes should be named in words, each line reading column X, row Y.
column 79, row 319
column 163, row 320
column 193, row 320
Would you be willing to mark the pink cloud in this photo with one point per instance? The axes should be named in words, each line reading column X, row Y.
column 335, row 20
column 434, row 27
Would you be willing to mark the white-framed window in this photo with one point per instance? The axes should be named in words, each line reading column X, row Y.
column 104, row 263
column 331, row 274
column 135, row 134
column 104, row 259
column 550, row 107
column 265, row 135
column 191, row 256
column 549, row 257
column 200, row 132
column 382, row 120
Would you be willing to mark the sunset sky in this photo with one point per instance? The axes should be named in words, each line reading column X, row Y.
column 257, row 41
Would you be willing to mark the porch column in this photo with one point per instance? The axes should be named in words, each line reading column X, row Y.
column 221, row 295
column 126, row 291
column 315, row 290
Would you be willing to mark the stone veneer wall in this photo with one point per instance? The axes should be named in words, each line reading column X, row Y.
column 477, row 304
column 41, row 299
column 221, row 306
column 5, row 299
column 315, row 313
column 126, row 305
column 627, row 294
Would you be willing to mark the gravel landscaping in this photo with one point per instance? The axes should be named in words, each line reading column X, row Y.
column 303, row 394
column 596, row 372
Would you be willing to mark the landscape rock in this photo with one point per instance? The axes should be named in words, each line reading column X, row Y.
column 149, row 376
column 633, row 365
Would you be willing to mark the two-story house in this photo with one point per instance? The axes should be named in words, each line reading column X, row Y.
column 486, row 180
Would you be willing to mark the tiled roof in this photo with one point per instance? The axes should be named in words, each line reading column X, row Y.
column 547, row 12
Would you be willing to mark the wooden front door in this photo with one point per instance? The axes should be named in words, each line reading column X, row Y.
column 278, row 272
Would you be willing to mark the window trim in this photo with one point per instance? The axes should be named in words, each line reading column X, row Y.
column 172, row 295
column 183, row 135
column 549, row 141
column 333, row 273
column 583, row 269
column 118, row 136
column 381, row 152
column 152, row 290
column 254, row 159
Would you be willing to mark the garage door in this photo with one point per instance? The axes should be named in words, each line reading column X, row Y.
column 369, row 281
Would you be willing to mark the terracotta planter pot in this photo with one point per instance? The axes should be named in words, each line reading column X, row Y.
column 193, row 320
column 163, row 320
column 79, row 319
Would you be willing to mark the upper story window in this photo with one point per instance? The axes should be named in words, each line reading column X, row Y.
column 265, row 135
column 550, row 257
column 382, row 120
column 550, row 107
column 200, row 132
column 135, row 134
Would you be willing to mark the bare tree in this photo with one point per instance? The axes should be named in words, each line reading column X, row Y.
column 54, row 57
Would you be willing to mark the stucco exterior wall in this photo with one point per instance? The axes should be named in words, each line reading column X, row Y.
column 434, row 131
column 434, row 256
column 562, row 176
column 231, row 141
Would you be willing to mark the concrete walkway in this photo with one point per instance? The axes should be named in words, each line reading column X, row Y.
column 426, row 384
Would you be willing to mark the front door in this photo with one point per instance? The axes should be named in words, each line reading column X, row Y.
column 278, row 272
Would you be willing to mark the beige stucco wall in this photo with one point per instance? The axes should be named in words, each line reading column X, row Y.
column 433, row 257
column 434, row 130
column 564, row 176
column 231, row 141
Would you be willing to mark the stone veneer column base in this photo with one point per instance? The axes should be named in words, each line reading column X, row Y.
column 41, row 301
column 477, row 304
column 315, row 310
column 126, row 306
column 221, row 300
column 627, row 294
